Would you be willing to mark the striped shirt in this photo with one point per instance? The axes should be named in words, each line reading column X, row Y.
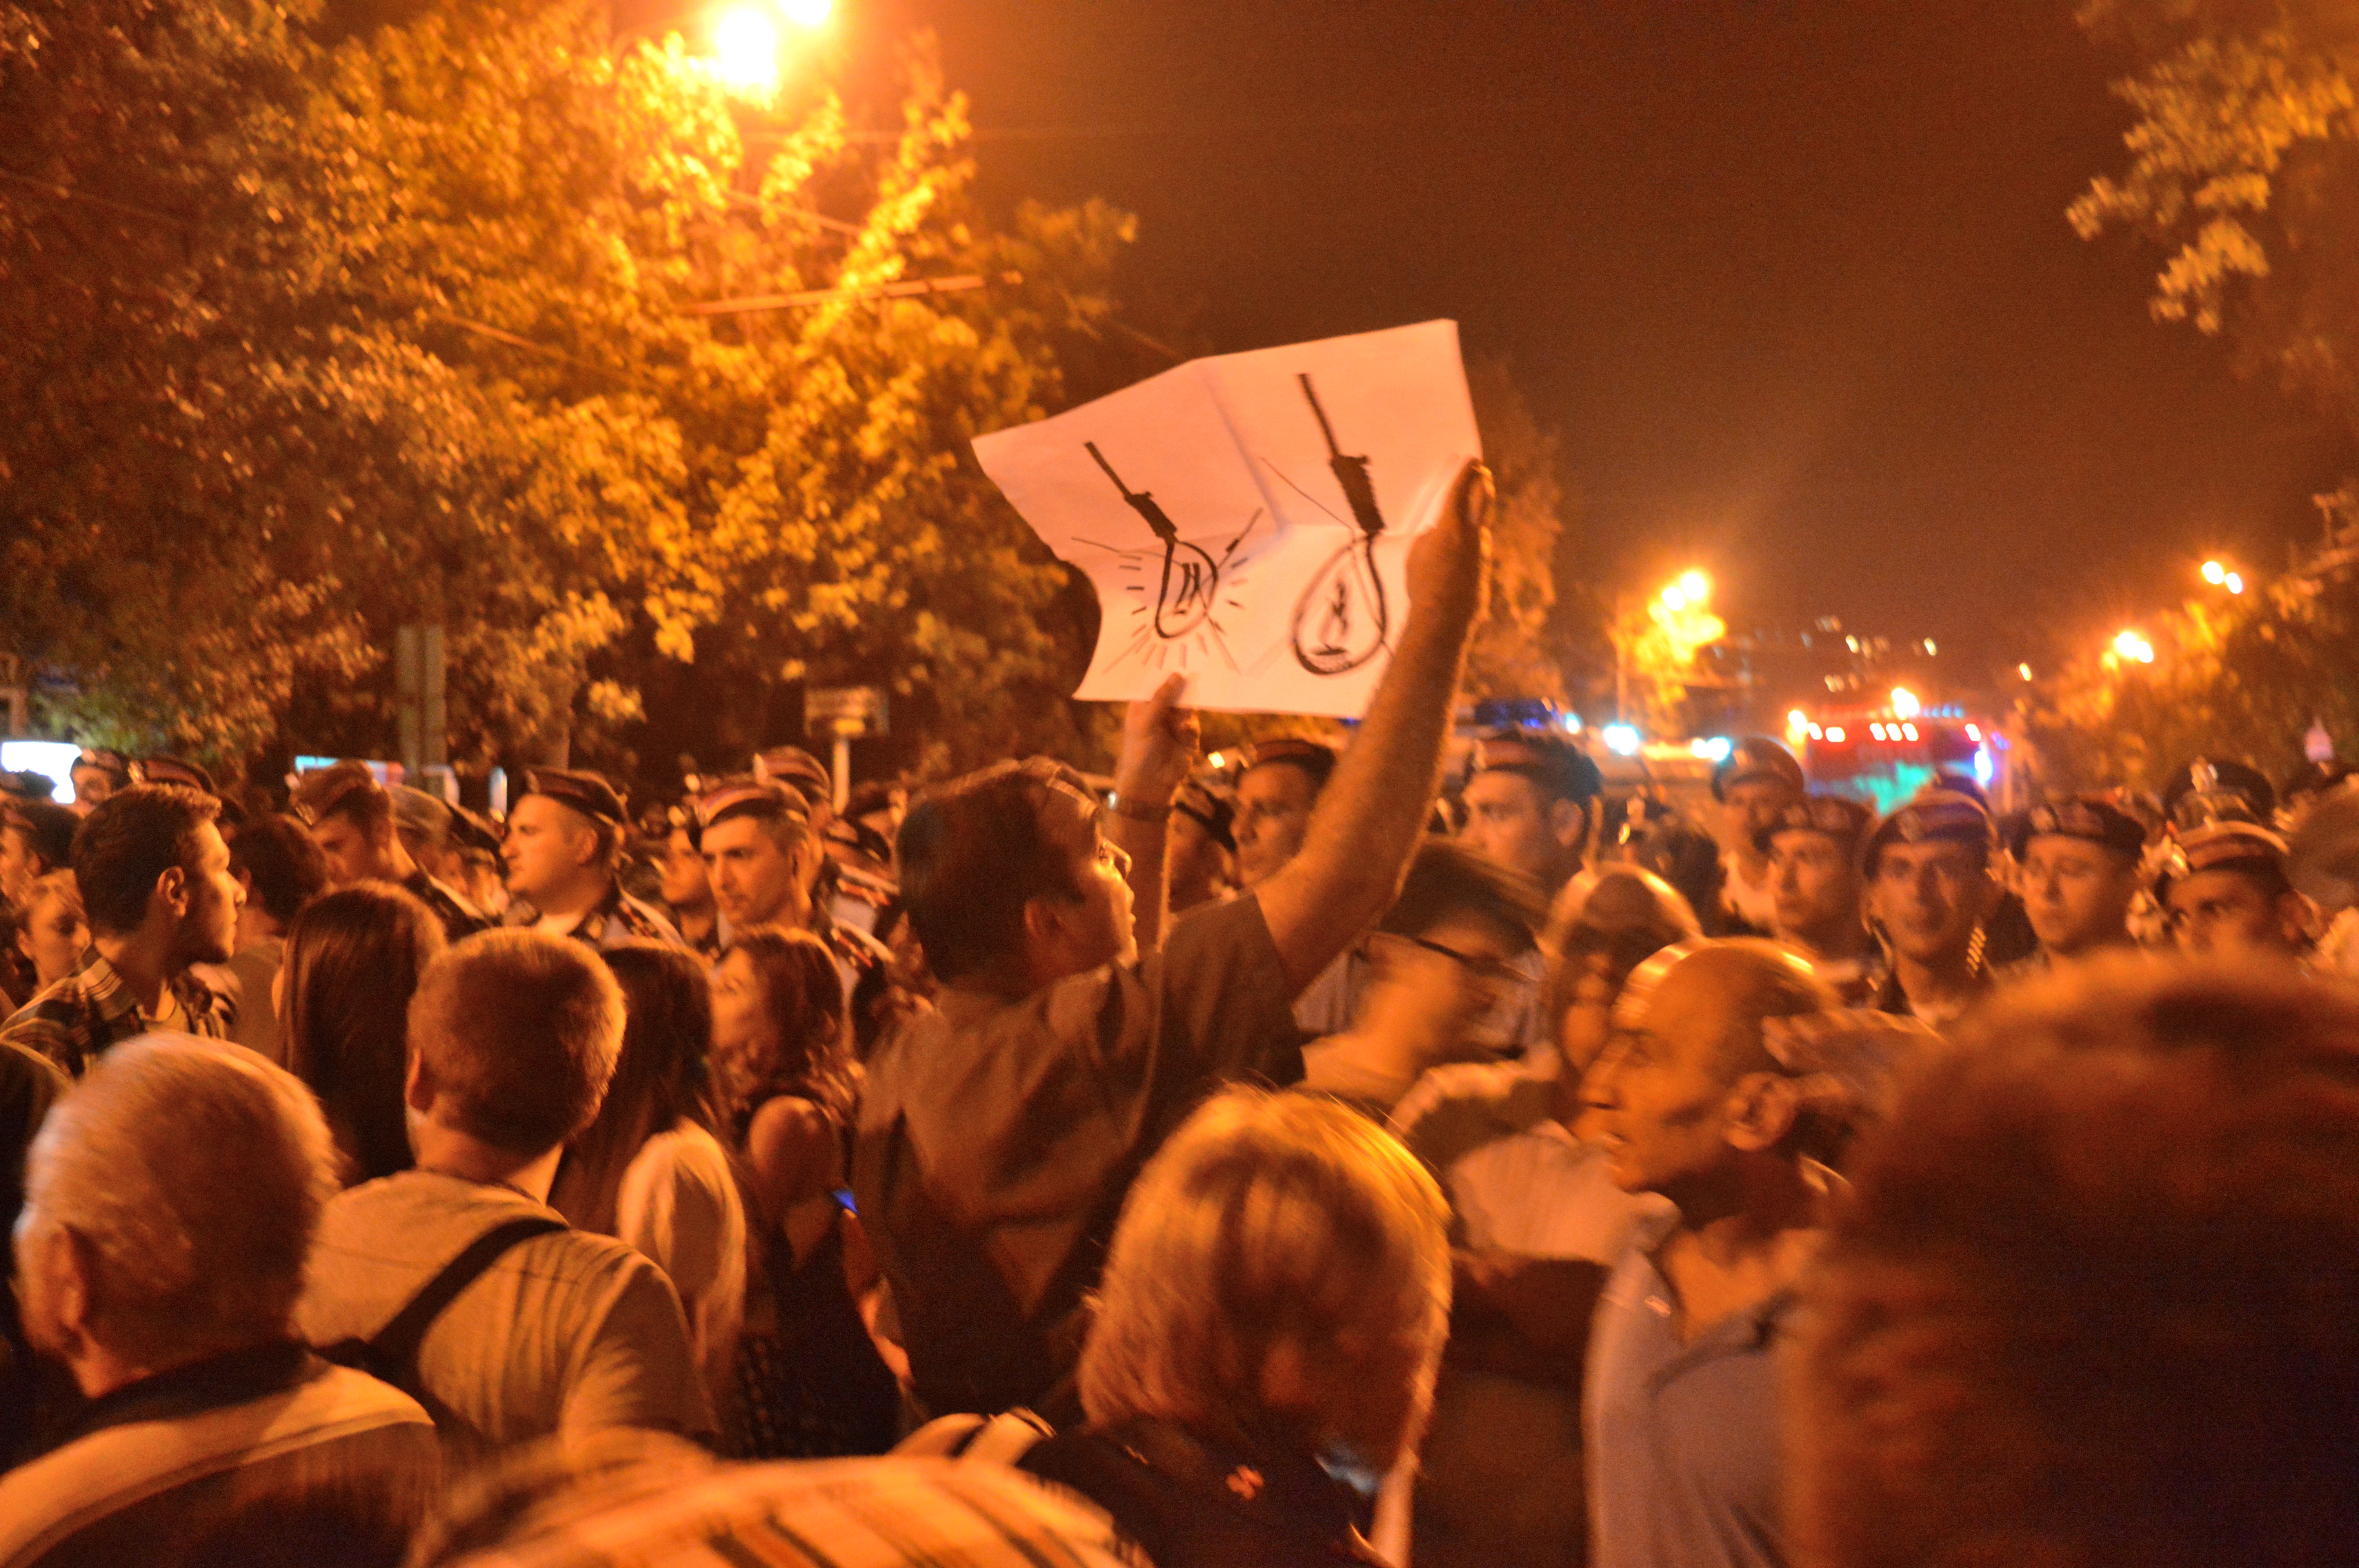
column 74, row 1021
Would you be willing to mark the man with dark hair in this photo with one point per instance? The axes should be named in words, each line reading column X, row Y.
column 350, row 817
column 513, row 1038
column 1203, row 865
column 1681, row 1410
column 2077, row 861
column 95, row 774
column 760, row 854
column 2223, row 885
column 1528, row 794
column 564, row 849
column 999, row 1132
column 36, row 839
column 1820, row 890
column 281, row 870
column 171, row 1203
column 1929, row 889
column 1439, row 959
column 2090, row 1299
column 1281, row 782
column 686, row 887
column 154, row 879
column 1754, row 784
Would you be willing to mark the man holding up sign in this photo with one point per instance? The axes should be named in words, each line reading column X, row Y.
column 999, row 1133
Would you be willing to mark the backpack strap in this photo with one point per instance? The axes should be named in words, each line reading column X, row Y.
column 391, row 1353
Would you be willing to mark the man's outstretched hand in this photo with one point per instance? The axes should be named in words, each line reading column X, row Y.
column 1451, row 561
column 1158, row 746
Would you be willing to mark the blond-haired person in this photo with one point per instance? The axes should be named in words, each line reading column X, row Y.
column 1273, row 1309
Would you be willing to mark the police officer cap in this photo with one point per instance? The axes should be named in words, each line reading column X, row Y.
column 1828, row 814
column 1313, row 757
column 428, row 816
column 794, row 766
column 2205, row 791
column 173, row 771
column 1936, row 816
column 768, row 799
column 2223, row 846
column 585, row 792
column 2085, row 816
column 1561, row 770
column 1754, row 758
column 472, row 834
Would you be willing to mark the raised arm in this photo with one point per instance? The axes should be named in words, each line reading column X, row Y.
column 1158, row 746
column 1373, row 812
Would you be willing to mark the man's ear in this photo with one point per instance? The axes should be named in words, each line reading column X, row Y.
column 1762, row 1110
column 172, row 887
column 58, row 1276
column 1044, row 920
column 418, row 1089
column 1568, row 823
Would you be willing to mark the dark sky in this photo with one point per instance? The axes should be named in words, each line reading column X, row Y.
column 1791, row 281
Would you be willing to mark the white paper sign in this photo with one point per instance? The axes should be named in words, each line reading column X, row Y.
column 1247, row 519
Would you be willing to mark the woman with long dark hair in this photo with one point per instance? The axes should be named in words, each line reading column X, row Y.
column 810, row 1380
column 650, row 1170
column 353, row 958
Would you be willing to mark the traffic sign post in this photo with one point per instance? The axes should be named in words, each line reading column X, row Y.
column 842, row 714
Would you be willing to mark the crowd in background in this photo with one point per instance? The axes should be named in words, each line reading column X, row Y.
column 1364, row 1156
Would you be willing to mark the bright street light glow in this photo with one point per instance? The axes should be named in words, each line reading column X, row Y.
column 2214, row 573
column 1715, row 750
column 745, row 49
column 2234, row 583
column 1622, row 739
column 1797, row 720
column 1905, row 703
column 1674, row 599
column 2023, row 670
column 807, row 13
column 2132, row 646
column 1696, row 586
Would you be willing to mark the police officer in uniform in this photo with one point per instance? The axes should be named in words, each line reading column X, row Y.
column 349, row 817
column 564, row 849
column 2222, row 880
column 764, row 862
column 1754, row 784
column 2078, row 863
column 1929, row 891
column 1818, row 907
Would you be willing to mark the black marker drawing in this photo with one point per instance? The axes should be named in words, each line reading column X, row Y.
column 1188, row 589
column 1342, row 620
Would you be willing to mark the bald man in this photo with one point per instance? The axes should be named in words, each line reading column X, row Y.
column 1680, row 1423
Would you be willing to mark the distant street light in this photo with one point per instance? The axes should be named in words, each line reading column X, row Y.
column 1696, row 586
column 2214, row 573
column 746, row 40
column 2131, row 648
column 1905, row 703
column 2234, row 582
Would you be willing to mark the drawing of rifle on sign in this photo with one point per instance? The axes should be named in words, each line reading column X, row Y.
column 1247, row 519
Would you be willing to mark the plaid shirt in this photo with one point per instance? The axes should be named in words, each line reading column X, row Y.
column 74, row 1021
column 618, row 918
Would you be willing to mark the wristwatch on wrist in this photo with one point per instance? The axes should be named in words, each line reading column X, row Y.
column 1140, row 810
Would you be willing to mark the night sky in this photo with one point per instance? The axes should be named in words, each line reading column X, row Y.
column 1791, row 281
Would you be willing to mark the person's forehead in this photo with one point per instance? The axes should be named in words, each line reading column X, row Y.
column 2214, row 887
column 211, row 848
column 1276, row 782
column 738, row 833
column 1807, row 841
column 1689, row 1011
column 2063, row 848
column 1495, row 786
column 1930, row 852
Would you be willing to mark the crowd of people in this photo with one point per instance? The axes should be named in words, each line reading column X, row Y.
column 1341, row 1162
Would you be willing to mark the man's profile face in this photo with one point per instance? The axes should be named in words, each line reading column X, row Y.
column 1105, row 931
column 2077, row 893
column 1273, row 803
column 2226, row 913
column 1930, row 896
column 755, row 882
column 683, row 883
column 548, row 843
column 209, row 929
column 1456, row 969
column 1751, row 806
column 1508, row 819
column 1659, row 1092
column 351, row 853
column 1815, row 885
column 90, row 785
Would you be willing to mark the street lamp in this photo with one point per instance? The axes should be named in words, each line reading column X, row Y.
column 2220, row 576
column 2131, row 648
column 746, row 40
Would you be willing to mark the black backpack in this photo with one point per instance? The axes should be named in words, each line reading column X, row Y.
column 390, row 1355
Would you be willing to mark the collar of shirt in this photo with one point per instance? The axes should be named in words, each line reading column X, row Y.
column 214, row 1383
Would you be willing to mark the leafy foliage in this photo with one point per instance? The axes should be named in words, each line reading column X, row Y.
column 312, row 340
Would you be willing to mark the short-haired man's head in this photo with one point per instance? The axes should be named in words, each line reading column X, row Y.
column 189, row 1177
column 2091, row 1299
column 1603, row 925
column 1281, row 1272
column 284, row 865
column 1447, row 881
column 1314, row 760
column 348, row 790
column 518, row 1032
column 1724, row 990
column 127, row 843
column 973, row 853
